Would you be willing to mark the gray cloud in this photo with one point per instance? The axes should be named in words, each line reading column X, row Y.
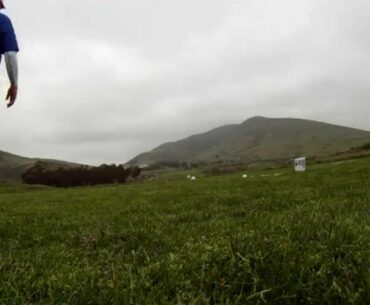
column 104, row 81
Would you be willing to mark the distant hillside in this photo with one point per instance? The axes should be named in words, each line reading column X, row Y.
column 12, row 166
column 258, row 139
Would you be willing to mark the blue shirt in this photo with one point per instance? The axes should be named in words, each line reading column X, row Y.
column 8, row 40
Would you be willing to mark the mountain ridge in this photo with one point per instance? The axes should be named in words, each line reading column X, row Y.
column 258, row 138
column 12, row 166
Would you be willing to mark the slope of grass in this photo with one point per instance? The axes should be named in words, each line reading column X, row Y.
column 269, row 239
column 12, row 166
column 259, row 139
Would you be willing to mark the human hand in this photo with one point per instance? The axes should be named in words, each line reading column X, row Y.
column 12, row 95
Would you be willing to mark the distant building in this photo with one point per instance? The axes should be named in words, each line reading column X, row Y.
column 300, row 164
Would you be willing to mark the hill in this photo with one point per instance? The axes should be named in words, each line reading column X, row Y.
column 258, row 139
column 12, row 166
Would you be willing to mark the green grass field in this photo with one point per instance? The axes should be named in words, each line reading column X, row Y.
column 287, row 239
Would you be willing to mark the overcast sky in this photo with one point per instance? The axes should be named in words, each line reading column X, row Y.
column 102, row 81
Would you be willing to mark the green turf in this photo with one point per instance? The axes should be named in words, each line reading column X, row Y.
column 289, row 239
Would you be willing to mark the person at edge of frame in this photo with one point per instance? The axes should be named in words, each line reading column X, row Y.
column 9, row 48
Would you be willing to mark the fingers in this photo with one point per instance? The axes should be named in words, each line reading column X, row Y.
column 11, row 96
column 12, row 99
column 11, row 103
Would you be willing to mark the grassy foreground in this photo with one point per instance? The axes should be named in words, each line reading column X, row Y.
column 269, row 239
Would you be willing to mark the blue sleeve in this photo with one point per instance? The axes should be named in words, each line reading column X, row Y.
column 8, row 39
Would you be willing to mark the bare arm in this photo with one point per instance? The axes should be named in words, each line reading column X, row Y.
column 11, row 61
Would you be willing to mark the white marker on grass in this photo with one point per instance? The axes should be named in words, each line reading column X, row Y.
column 245, row 176
column 300, row 164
